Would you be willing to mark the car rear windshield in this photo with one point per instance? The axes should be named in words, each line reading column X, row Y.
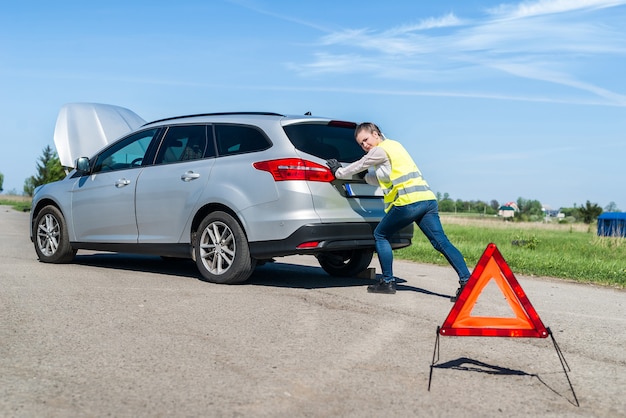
column 330, row 140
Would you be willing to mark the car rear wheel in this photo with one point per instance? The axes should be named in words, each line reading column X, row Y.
column 345, row 263
column 222, row 251
column 52, row 242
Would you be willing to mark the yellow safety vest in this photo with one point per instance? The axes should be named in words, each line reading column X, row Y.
column 406, row 183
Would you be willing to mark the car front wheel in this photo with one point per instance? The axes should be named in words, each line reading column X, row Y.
column 345, row 263
column 221, row 250
column 52, row 242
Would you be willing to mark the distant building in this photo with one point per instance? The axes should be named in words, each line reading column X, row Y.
column 552, row 213
column 506, row 211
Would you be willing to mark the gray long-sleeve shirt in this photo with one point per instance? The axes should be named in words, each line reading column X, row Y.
column 376, row 157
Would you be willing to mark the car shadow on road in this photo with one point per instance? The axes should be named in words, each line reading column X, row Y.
column 310, row 277
column 274, row 274
column 138, row 262
column 278, row 274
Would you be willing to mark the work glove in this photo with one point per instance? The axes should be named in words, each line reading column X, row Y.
column 334, row 165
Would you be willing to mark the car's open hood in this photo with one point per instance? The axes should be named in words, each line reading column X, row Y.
column 84, row 128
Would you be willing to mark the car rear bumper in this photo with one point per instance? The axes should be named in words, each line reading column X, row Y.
column 318, row 238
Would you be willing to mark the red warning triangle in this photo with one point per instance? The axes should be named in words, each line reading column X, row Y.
column 524, row 323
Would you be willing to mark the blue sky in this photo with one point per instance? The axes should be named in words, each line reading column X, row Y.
column 494, row 100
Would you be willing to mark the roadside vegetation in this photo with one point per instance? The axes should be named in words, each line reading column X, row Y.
column 20, row 203
column 49, row 169
column 565, row 251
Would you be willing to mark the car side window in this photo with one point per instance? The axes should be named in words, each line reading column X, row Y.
column 127, row 153
column 239, row 139
column 185, row 143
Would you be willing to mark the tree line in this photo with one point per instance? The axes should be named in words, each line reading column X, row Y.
column 528, row 210
column 49, row 169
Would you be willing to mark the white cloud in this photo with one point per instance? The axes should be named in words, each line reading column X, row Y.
column 543, row 7
column 553, row 47
column 536, row 73
column 446, row 21
column 337, row 63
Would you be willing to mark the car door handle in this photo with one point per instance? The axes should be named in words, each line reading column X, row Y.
column 122, row 183
column 189, row 175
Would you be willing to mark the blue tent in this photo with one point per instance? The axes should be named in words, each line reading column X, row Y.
column 612, row 224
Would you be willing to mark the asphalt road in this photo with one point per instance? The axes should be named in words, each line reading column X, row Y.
column 129, row 336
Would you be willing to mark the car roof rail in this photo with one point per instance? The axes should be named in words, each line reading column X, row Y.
column 215, row 114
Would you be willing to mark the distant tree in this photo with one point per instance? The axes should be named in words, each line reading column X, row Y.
column 49, row 169
column 1, row 181
column 446, row 206
column 479, row 206
column 535, row 208
column 29, row 186
column 445, row 203
column 590, row 212
column 529, row 207
column 528, row 210
column 570, row 212
column 490, row 208
column 611, row 207
column 494, row 205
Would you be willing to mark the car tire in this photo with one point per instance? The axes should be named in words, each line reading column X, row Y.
column 52, row 242
column 345, row 263
column 222, row 251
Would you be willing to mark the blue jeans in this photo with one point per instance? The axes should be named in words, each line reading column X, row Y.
column 425, row 214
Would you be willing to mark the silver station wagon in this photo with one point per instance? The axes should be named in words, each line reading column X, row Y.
column 228, row 190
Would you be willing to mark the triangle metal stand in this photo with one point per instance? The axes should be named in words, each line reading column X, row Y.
column 559, row 353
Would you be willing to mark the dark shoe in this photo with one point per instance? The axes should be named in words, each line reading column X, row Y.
column 382, row 287
column 458, row 292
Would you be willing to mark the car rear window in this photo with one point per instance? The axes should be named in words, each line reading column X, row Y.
column 184, row 143
column 238, row 139
column 331, row 140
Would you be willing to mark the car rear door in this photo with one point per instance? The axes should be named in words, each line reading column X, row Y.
column 168, row 191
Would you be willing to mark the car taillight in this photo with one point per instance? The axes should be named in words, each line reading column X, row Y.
column 295, row 169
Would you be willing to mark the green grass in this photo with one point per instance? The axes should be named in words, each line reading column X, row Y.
column 20, row 203
column 559, row 251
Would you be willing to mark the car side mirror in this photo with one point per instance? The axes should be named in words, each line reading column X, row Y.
column 82, row 165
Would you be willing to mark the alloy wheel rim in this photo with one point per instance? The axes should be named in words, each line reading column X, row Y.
column 217, row 247
column 48, row 233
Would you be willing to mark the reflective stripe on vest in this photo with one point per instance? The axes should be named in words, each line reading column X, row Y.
column 406, row 183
